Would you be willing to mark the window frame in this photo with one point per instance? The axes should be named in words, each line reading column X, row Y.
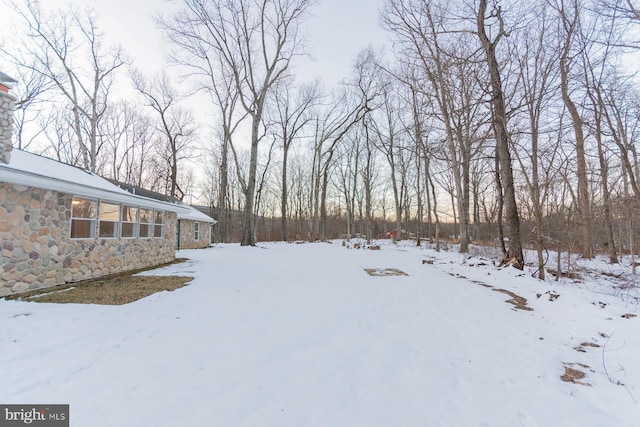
column 133, row 223
column 147, row 226
column 196, row 230
column 115, row 231
column 158, row 227
column 92, row 220
column 90, row 217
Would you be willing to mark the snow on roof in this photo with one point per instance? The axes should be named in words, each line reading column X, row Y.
column 190, row 212
column 6, row 82
column 36, row 171
column 6, row 79
column 195, row 215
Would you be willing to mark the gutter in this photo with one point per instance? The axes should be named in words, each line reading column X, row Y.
column 19, row 177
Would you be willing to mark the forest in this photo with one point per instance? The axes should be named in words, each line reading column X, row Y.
column 484, row 121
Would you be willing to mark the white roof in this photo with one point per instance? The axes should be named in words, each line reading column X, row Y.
column 195, row 215
column 32, row 170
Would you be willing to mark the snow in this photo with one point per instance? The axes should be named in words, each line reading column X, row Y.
column 37, row 171
column 51, row 170
column 300, row 335
column 195, row 215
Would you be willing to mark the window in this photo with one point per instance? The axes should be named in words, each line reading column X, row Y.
column 196, row 229
column 129, row 222
column 146, row 221
column 83, row 218
column 158, row 224
column 109, row 225
column 93, row 218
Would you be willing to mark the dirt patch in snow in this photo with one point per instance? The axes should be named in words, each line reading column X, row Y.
column 384, row 272
column 519, row 302
column 478, row 282
column 581, row 347
column 572, row 375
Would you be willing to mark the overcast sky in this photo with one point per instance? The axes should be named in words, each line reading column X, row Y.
column 338, row 30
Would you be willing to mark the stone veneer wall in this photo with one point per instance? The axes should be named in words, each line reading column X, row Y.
column 37, row 251
column 6, row 126
column 188, row 235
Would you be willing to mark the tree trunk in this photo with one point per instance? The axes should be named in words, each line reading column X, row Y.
column 222, row 195
column 285, row 157
column 514, row 253
column 583, row 185
column 606, row 196
column 500, row 213
column 248, row 225
column 581, row 163
column 435, row 211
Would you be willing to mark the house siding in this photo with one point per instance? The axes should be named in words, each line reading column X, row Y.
column 37, row 250
column 188, row 234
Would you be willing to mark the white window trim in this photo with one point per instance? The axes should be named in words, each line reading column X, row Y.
column 148, row 224
column 117, row 224
column 161, row 225
column 93, row 220
column 134, row 222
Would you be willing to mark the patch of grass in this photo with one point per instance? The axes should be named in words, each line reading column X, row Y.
column 116, row 289
column 572, row 375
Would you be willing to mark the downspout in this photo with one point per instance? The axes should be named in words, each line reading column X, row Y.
column 178, row 233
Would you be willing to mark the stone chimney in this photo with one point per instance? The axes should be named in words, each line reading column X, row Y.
column 6, row 117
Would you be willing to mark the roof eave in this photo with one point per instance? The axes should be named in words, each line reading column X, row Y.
column 18, row 177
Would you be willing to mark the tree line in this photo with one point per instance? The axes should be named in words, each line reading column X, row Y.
column 486, row 120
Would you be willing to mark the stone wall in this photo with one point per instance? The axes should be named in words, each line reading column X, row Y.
column 37, row 251
column 188, row 235
column 6, row 126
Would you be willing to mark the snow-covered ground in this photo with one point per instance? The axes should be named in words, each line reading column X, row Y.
column 300, row 335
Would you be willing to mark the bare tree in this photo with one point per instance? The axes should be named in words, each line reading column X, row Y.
column 292, row 114
column 175, row 124
column 114, row 130
column 595, row 68
column 207, row 70
column 31, row 101
column 69, row 52
column 329, row 129
column 569, row 31
column 622, row 112
column 127, row 136
column 624, row 15
column 537, row 64
column 364, row 83
column 348, row 171
column 256, row 42
column 500, row 129
column 59, row 135
column 390, row 141
column 432, row 38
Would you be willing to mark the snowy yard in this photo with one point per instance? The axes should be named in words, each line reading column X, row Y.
column 300, row 335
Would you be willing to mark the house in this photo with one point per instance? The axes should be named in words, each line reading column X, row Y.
column 60, row 223
column 194, row 229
